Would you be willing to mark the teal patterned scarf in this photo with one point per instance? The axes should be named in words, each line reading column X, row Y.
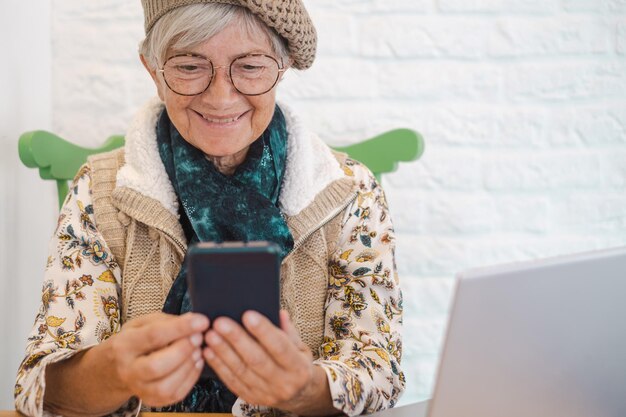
column 215, row 207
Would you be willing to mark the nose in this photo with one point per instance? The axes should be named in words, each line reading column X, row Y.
column 221, row 90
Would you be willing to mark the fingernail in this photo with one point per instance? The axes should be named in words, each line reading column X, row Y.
column 197, row 355
column 198, row 322
column 199, row 364
column 253, row 318
column 213, row 338
column 224, row 326
column 196, row 339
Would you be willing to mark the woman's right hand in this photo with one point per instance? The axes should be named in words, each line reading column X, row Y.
column 157, row 357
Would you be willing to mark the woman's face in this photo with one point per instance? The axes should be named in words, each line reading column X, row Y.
column 221, row 122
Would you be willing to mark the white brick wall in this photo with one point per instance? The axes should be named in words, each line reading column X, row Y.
column 522, row 104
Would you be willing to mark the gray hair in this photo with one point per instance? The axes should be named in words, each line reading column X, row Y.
column 188, row 26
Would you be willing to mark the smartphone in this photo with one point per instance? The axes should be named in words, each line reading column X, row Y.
column 227, row 279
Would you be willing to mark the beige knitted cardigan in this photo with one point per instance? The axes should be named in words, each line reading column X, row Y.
column 149, row 244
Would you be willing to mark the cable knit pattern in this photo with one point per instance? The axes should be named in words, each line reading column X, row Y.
column 288, row 17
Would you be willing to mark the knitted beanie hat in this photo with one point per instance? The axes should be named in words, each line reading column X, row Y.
column 288, row 17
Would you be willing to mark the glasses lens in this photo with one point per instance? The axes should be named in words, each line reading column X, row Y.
column 187, row 75
column 254, row 74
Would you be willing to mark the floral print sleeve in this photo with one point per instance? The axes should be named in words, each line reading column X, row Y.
column 79, row 301
column 362, row 343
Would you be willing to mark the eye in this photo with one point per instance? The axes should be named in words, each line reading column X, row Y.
column 187, row 68
column 249, row 67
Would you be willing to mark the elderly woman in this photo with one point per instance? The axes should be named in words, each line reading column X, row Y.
column 216, row 159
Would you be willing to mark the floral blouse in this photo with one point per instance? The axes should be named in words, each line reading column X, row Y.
column 80, row 304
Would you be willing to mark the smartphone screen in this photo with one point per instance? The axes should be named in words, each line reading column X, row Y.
column 230, row 278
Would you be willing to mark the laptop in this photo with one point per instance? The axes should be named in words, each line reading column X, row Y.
column 541, row 338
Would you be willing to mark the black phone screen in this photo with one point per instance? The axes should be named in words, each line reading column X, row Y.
column 229, row 280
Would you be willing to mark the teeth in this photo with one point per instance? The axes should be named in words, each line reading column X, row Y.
column 221, row 121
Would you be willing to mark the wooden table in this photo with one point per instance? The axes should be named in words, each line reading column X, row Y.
column 411, row 410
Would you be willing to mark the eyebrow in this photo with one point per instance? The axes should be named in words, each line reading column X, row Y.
column 233, row 57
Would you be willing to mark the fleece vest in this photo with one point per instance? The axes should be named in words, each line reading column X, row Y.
column 149, row 245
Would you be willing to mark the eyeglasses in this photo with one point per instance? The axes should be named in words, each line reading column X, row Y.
column 251, row 75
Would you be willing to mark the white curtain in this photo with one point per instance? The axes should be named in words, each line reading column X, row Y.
column 27, row 204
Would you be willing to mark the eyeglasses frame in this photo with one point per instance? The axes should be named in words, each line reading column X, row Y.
column 281, row 68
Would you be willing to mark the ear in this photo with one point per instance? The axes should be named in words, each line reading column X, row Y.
column 153, row 73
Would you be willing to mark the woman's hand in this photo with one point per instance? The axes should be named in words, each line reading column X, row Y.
column 157, row 357
column 266, row 365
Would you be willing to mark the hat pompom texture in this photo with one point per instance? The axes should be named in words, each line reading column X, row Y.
column 288, row 17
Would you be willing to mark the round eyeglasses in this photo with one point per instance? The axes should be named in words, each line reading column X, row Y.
column 251, row 75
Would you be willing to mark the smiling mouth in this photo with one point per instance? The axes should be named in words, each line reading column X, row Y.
column 222, row 120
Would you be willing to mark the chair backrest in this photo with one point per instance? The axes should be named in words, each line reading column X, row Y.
column 59, row 160
column 382, row 153
column 56, row 158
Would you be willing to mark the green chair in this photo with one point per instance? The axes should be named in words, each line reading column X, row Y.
column 59, row 160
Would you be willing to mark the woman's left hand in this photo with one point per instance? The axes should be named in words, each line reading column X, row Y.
column 266, row 365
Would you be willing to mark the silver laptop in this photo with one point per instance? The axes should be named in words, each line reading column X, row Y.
column 535, row 339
